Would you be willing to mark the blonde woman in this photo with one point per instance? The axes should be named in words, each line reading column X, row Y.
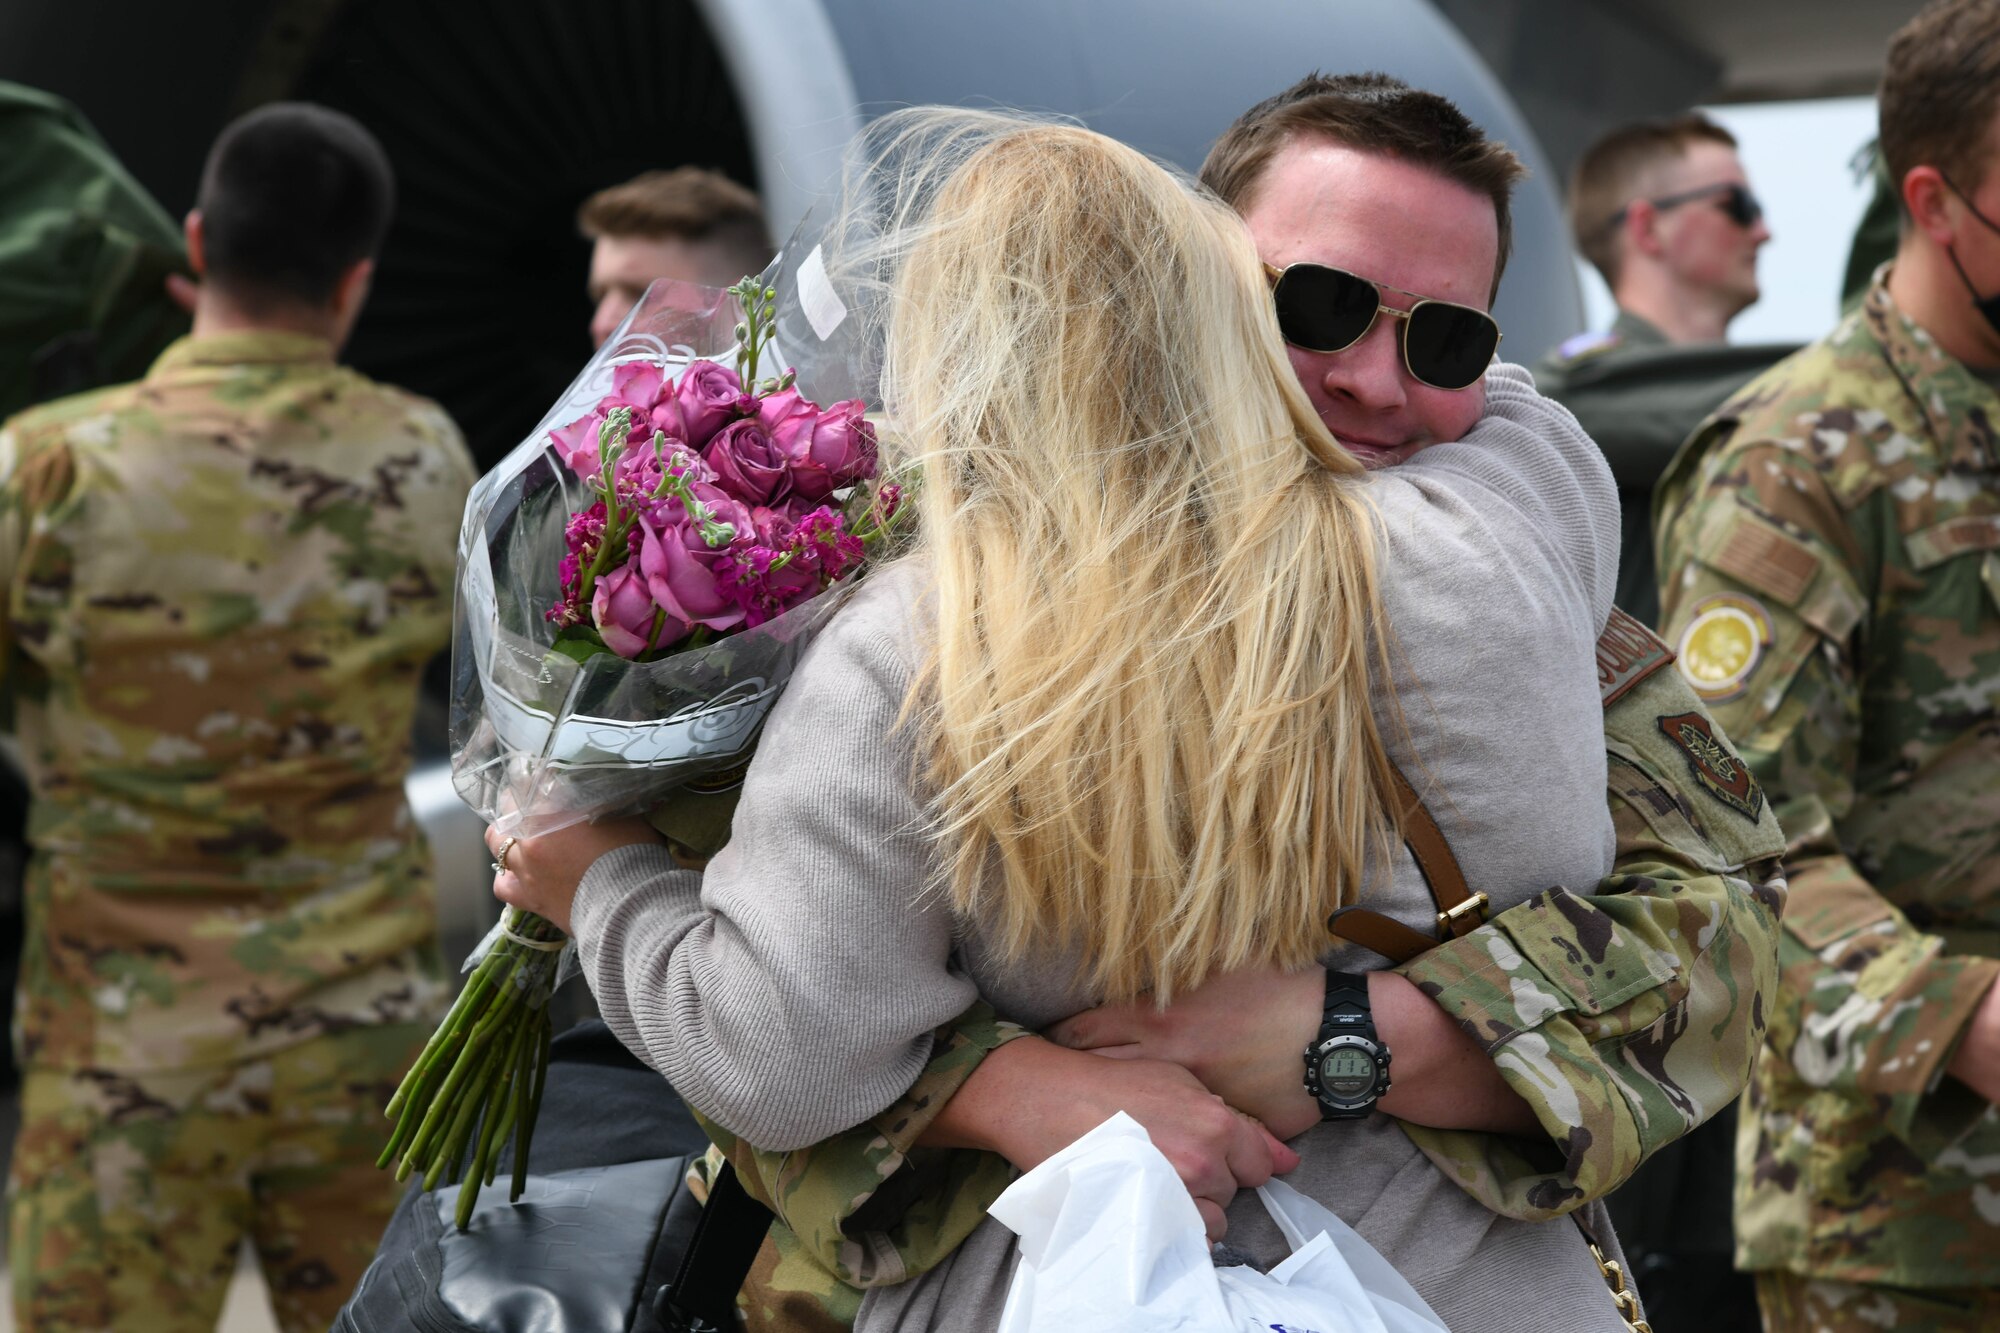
column 1121, row 722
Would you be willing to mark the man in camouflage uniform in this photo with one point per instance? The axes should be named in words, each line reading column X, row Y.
column 221, row 583
column 1623, row 1016
column 1663, row 210
column 1830, row 545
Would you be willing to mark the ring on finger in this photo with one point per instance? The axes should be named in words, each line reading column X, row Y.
column 500, row 857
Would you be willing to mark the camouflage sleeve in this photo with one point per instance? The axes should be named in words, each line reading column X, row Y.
column 869, row 1207
column 1627, row 1015
column 35, row 473
column 1770, row 603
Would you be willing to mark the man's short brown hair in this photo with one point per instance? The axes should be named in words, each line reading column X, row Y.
column 1374, row 113
column 1940, row 87
column 684, row 204
column 1613, row 172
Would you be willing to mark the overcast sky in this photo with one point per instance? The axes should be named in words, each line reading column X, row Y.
column 1797, row 155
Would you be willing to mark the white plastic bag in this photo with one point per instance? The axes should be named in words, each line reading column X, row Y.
column 1110, row 1241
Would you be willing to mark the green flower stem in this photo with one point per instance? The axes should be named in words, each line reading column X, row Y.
column 524, row 1127
column 481, row 1075
column 467, row 1062
column 464, row 1112
column 468, row 996
column 500, row 1109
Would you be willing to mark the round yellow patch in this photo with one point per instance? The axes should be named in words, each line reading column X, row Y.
column 1722, row 645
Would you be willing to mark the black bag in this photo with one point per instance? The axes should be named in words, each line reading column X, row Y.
column 606, row 1238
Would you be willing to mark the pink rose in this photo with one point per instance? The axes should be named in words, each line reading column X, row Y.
column 576, row 445
column 840, row 452
column 747, row 463
column 682, row 571
column 624, row 611
column 707, row 398
column 787, row 416
column 637, row 385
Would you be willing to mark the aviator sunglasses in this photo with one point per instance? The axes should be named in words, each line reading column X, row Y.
column 1734, row 199
column 1322, row 309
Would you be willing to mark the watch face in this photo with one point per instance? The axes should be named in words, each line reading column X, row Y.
column 1347, row 1072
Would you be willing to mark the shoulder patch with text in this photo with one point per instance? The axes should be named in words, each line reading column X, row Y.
column 1627, row 653
column 1726, row 777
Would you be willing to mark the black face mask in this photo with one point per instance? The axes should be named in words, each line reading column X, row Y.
column 1989, row 306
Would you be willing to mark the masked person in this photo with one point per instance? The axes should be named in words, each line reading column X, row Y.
column 671, row 968
column 1830, row 564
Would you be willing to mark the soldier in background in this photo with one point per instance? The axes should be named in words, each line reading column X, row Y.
column 1663, row 210
column 688, row 225
column 221, row 583
column 1830, row 550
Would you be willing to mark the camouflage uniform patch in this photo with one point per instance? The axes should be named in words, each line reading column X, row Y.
column 1854, row 493
column 129, row 1192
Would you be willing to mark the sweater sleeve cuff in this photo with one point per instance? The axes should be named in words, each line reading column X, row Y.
column 611, row 879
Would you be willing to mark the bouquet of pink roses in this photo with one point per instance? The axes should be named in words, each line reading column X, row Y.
column 636, row 582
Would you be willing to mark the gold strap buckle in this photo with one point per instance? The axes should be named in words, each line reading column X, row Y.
column 1627, row 1303
column 1475, row 905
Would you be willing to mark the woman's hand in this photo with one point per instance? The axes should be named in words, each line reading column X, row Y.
column 1030, row 1099
column 540, row 874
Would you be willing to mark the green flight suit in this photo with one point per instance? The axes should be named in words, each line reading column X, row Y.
column 1640, row 396
column 84, row 256
column 1835, row 529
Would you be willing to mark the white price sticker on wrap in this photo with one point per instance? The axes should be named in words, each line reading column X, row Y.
column 823, row 309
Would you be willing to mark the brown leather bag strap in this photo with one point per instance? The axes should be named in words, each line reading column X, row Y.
column 1379, row 934
column 1460, row 910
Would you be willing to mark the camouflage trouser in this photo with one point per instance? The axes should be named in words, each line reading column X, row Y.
column 1794, row 1304
column 130, row 1194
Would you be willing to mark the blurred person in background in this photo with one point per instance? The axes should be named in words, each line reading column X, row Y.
column 686, row 225
column 1830, row 563
column 1662, row 209
column 84, row 256
column 221, row 583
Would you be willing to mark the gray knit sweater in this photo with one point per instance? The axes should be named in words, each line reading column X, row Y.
column 789, row 992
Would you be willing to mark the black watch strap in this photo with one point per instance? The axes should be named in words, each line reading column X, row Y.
column 1347, row 1005
column 1347, row 1023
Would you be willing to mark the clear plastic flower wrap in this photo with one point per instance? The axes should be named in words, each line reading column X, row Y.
column 637, row 581
column 540, row 739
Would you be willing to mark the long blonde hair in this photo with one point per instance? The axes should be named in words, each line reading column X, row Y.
column 1146, row 714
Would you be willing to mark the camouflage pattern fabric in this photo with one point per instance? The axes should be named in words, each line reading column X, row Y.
column 131, row 1192
column 1832, row 546
column 868, row 1207
column 1794, row 1304
column 220, row 585
column 1624, row 1016
column 1627, row 1015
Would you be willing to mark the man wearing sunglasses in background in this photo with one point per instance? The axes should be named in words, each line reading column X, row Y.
column 1663, row 210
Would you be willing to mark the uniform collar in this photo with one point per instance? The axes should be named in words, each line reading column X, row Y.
column 1937, row 382
column 248, row 347
column 1632, row 331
